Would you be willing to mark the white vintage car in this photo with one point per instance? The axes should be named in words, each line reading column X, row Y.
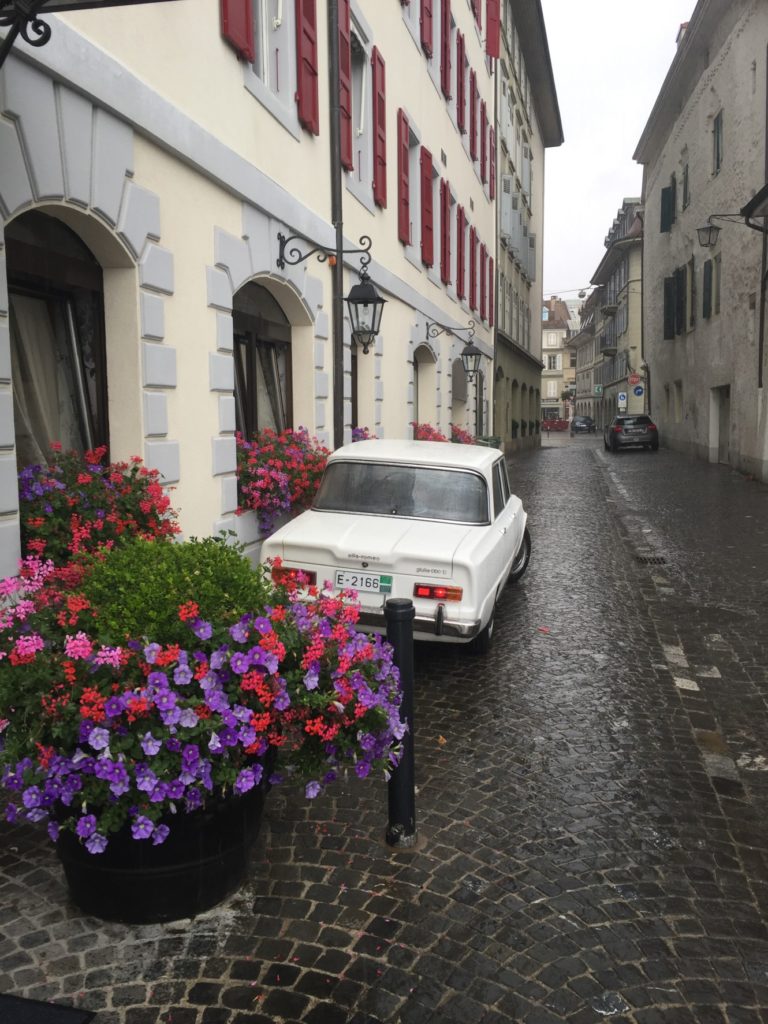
column 431, row 521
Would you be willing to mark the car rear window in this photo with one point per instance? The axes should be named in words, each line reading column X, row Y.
column 422, row 492
column 634, row 421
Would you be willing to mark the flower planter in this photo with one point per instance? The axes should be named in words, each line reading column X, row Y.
column 202, row 862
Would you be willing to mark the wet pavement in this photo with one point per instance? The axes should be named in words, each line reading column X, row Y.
column 591, row 808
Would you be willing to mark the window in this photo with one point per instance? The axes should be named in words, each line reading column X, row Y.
column 361, row 117
column 573, row 357
column 472, row 269
column 690, row 295
column 445, row 231
column 668, row 205
column 58, row 355
column 552, row 389
column 483, row 143
column 262, row 351
column 551, row 362
column 717, row 143
column 461, row 230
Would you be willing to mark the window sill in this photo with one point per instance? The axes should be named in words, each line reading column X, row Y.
column 356, row 189
column 286, row 116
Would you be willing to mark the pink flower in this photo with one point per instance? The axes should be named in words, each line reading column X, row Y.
column 28, row 645
column 78, row 646
column 109, row 656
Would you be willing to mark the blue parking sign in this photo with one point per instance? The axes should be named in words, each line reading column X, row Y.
column 639, row 391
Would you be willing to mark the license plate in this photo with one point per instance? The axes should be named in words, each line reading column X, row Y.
column 365, row 582
column 635, row 430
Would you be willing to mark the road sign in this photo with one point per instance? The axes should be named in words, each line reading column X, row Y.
column 634, row 378
column 621, row 399
column 598, row 389
column 639, row 391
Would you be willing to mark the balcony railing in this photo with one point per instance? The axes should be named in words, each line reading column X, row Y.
column 607, row 344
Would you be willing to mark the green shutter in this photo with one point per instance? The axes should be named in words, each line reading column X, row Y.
column 669, row 308
column 667, row 208
column 706, row 302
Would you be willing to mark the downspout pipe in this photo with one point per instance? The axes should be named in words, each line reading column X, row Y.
column 337, row 271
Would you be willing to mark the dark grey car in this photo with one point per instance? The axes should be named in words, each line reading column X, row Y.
column 628, row 431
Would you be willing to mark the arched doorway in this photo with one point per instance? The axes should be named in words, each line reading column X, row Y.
column 262, row 351
column 57, row 335
column 458, row 394
column 424, row 386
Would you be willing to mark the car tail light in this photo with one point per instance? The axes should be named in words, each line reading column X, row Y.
column 617, row 429
column 288, row 574
column 651, row 426
column 436, row 592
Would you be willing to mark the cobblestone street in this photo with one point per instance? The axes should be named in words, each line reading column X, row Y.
column 592, row 800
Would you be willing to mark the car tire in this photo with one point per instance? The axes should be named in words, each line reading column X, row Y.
column 605, row 444
column 482, row 642
column 654, row 447
column 522, row 559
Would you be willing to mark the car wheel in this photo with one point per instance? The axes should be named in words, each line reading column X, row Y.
column 654, row 447
column 482, row 642
column 522, row 558
column 605, row 444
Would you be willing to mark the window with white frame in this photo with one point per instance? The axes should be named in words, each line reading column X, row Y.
column 272, row 75
column 361, row 109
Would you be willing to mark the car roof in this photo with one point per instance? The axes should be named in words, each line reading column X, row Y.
column 426, row 453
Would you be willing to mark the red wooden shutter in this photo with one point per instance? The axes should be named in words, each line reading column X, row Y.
column 491, row 291
column 461, row 96
column 460, row 226
column 493, row 163
column 379, row 129
column 445, row 49
column 472, row 269
column 426, row 27
column 445, row 232
column 483, row 282
column 237, row 26
column 483, row 143
column 403, row 183
column 478, row 12
column 427, row 212
column 345, row 85
column 472, row 114
column 492, row 27
column 306, row 61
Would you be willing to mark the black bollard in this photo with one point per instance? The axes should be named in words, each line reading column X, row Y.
column 401, row 830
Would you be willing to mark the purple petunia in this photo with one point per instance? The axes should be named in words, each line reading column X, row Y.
column 311, row 790
column 86, row 826
column 141, row 827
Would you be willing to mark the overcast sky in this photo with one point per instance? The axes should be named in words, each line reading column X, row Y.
column 609, row 58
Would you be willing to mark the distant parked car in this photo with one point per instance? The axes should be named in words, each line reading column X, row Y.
column 425, row 520
column 582, row 425
column 627, row 431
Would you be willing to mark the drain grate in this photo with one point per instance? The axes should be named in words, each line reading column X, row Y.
column 651, row 559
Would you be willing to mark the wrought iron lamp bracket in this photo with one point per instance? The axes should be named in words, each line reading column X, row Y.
column 21, row 19
column 294, row 255
column 435, row 329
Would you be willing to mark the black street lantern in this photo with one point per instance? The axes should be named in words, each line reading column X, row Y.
column 708, row 235
column 470, row 360
column 365, row 307
column 22, row 18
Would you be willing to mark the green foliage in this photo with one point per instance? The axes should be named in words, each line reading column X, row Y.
column 139, row 587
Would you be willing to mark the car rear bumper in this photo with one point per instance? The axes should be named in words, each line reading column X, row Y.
column 437, row 626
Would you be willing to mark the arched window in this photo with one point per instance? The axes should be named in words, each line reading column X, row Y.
column 58, row 360
column 262, row 350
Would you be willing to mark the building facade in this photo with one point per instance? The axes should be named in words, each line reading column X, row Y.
column 703, row 153
column 558, row 376
column 141, row 199
column 588, row 359
column 527, row 123
column 619, row 283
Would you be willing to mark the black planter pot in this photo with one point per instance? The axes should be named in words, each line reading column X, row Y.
column 202, row 862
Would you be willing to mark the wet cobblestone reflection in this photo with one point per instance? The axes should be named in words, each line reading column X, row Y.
column 591, row 808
